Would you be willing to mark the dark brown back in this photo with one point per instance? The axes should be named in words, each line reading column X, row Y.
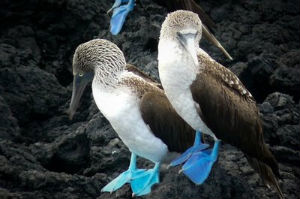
column 159, row 114
column 165, row 123
column 230, row 112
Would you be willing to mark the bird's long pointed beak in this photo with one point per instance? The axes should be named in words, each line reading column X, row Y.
column 188, row 42
column 192, row 50
column 79, row 84
column 210, row 37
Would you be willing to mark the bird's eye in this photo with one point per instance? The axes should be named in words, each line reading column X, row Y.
column 80, row 74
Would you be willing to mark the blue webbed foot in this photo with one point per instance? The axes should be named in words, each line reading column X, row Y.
column 199, row 165
column 124, row 177
column 198, row 146
column 142, row 184
column 119, row 15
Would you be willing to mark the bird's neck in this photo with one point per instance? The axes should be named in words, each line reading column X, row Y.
column 175, row 63
column 168, row 51
column 107, row 77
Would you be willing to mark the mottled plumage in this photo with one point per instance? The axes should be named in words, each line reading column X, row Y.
column 135, row 106
column 221, row 73
column 111, row 72
column 113, row 61
column 158, row 113
column 238, row 120
column 193, row 81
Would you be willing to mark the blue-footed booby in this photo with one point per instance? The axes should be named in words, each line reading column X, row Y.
column 121, row 10
column 211, row 99
column 135, row 106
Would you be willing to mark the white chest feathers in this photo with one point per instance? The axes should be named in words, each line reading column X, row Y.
column 175, row 65
column 177, row 72
column 121, row 107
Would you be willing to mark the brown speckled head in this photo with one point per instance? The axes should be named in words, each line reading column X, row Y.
column 98, row 53
column 180, row 20
column 97, row 59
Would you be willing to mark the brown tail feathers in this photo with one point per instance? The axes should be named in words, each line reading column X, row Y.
column 267, row 169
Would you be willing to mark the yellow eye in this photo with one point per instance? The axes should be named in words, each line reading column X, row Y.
column 80, row 74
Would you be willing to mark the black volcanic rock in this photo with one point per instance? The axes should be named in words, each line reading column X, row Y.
column 31, row 92
column 9, row 128
column 45, row 155
column 286, row 78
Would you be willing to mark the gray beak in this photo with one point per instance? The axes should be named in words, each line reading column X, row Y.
column 79, row 84
column 187, row 40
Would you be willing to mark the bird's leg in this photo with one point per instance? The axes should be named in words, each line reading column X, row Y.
column 116, row 5
column 198, row 160
column 142, row 184
column 124, row 177
column 197, row 168
column 198, row 146
column 119, row 14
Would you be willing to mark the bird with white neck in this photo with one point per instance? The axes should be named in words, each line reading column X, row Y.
column 135, row 106
column 211, row 99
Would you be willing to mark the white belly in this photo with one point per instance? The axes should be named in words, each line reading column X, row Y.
column 177, row 72
column 122, row 110
column 181, row 99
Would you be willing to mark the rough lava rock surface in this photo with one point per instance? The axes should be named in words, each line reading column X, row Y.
column 44, row 155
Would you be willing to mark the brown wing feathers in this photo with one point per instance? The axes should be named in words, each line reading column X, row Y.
column 159, row 114
column 238, row 121
column 166, row 123
column 225, row 75
column 230, row 111
column 136, row 71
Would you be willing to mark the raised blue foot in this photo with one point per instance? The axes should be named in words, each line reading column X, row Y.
column 124, row 177
column 142, row 184
column 119, row 15
column 198, row 166
column 198, row 146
